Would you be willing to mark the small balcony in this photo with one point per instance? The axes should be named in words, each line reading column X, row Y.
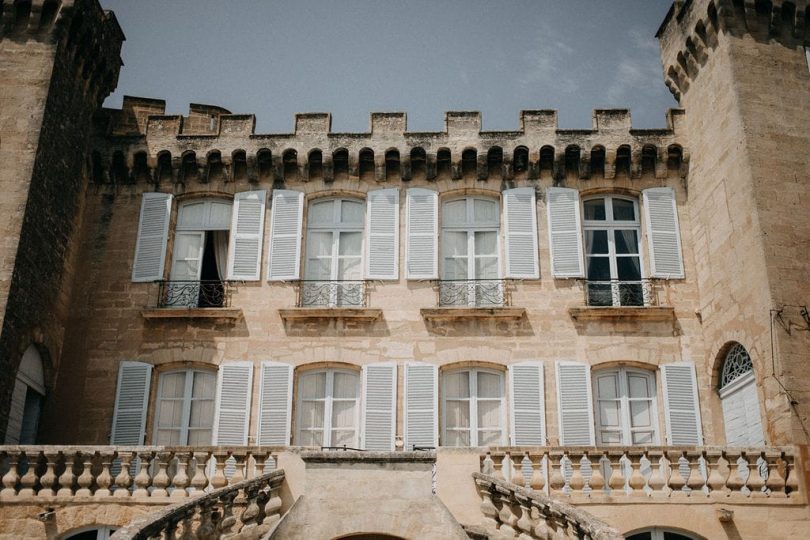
column 473, row 299
column 331, row 300
column 619, row 299
column 183, row 299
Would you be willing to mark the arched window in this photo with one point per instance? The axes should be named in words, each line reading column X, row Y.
column 289, row 160
column 340, row 163
column 366, row 164
column 315, row 163
column 93, row 533
column 657, row 533
column 334, row 263
column 469, row 162
column 418, row 163
column 26, row 399
column 612, row 257
column 474, row 413
column 624, row 400
column 598, row 161
column 520, row 160
column 185, row 407
column 328, row 408
column 444, row 163
column 470, row 262
column 239, row 165
column 738, row 395
column 392, row 168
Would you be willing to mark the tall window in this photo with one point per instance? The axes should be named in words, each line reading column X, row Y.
column 26, row 400
column 470, row 265
column 613, row 261
column 474, row 411
column 200, row 254
column 328, row 411
column 334, row 262
column 625, row 407
column 738, row 395
column 185, row 407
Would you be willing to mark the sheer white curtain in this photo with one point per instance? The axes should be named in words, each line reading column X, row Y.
column 220, row 241
column 328, row 408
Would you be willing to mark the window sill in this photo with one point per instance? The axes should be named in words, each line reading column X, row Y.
column 192, row 313
column 362, row 314
column 607, row 313
column 465, row 313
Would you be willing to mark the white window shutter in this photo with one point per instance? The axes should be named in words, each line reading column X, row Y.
column 234, row 385
column 663, row 233
column 131, row 403
column 382, row 233
column 421, row 405
column 528, row 411
column 247, row 235
column 285, row 235
column 379, row 406
column 741, row 413
column 520, row 220
column 421, row 250
column 275, row 404
column 153, row 231
column 575, row 403
column 565, row 233
column 681, row 404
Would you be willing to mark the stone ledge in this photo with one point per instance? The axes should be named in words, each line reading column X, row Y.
column 643, row 313
column 352, row 456
column 192, row 313
column 362, row 314
column 464, row 313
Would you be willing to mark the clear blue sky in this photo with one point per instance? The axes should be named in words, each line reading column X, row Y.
column 351, row 57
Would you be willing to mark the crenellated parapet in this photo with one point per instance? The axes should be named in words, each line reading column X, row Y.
column 140, row 143
column 691, row 30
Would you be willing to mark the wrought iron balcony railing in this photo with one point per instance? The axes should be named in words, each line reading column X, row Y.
column 194, row 294
column 473, row 293
column 621, row 293
column 337, row 293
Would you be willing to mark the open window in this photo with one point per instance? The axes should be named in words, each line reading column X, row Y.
column 26, row 399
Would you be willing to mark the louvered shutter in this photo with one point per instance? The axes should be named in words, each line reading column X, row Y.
column 247, row 234
column 275, row 404
column 421, row 249
column 131, row 402
column 421, row 405
column 285, row 235
column 379, row 406
column 663, row 234
column 153, row 231
column 575, row 404
column 741, row 413
column 234, row 385
column 528, row 409
column 681, row 404
column 520, row 220
column 565, row 233
column 382, row 232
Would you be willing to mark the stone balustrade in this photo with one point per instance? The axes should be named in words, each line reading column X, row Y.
column 246, row 509
column 147, row 473
column 642, row 473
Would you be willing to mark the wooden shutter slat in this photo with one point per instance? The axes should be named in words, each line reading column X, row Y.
column 379, row 406
column 382, row 231
column 527, row 404
column 681, row 404
column 131, row 401
column 520, row 222
column 575, row 403
column 153, row 233
column 247, row 235
column 663, row 233
column 421, row 400
column 234, row 385
column 565, row 233
column 421, row 256
column 275, row 404
column 285, row 235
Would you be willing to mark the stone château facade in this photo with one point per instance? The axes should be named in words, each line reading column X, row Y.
column 588, row 333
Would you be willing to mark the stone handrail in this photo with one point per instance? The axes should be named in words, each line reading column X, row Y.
column 149, row 473
column 510, row 510
column 642, row 472
column 212, row 515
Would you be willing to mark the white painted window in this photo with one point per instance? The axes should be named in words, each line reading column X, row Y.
column 473, row 407
column 740, row 400
column 26, row 399
column 185, row 407
column 612, row 257
column 625, row 408
column 657, row 533
column 334, row 260
column 328, row 411
column 94, row 533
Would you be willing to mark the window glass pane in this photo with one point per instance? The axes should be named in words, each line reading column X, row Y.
column 457, row 384
column 609, row 413
column 598, row 268
column 489, row 438
column 611, row 437
column 623, row 210
column 626, row 241
column 204, row 385
column 639, row 386
column 455, row 244
column 199, row 437
column 311, row 438
column 343, row 414
column 486, row 268
column 351, row 212
column 596, row 242
column 455, row 269
column 351, row 243
column 345, row 385
column 485, row 211
column 350, row 268
column 312, row 386
column 319, row 244
column 640, row 413
column 319, row 269
column 629, row 268
column 608, row 386
column 202, row 413
column 457, row 414
column 643, row 437
column 595, row 209
column 312, row 414
column 321, row 213
column 343, row 437
column 489, row 385
column 455, row 212
column 489, row 414
column 170, row 413
column 220, row 215
column 173, row 385
column 193, row 215
column 457, row 438
column 168, row 437
column 486, row 243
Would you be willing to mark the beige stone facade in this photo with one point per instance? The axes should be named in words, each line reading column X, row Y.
column 669, row 367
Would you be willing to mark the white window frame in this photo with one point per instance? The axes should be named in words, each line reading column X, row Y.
column 611, row 225
column 328, row 400
column 185, row 417
column 624, row 399
column 473, row 403
column 103, row 532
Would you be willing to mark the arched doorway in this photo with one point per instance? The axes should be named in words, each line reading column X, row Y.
column 26, row 399
column 738, row 395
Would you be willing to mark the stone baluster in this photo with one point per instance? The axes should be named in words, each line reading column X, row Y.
column 272, row 507
column 11, row 477
column 541, row 524
column 104, row 478
column 506, row 516
column 775, row 482
column 791, row 478
column 48, row 479
column 756, row 482
column 170, row 529
column 142, row 479
column 180, row 480
column 617, row 480
column 198, row 479
column 250, row 517
column 676, row 479
column 524, row 523
column 695, row 481
column 66, row 478
column 636, row 482
column 124, row 480
column 719, row 471
column 657, row 482
column 556, row 481
column 538, row 481
column 526, row 470
column 240, row 463
column 228, row 520
column 250, row 465
column 507, row 470
column 219, row 480
column 160, row 481
column 85, row 480
column 487, row 465
column 29, row 479
column 488, row 508
column 735, row 482
column 207, row 528
column 269, row 464
column 577, row 481
column 597, row 480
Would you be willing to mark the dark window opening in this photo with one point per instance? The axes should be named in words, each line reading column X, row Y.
column 215, row 168
column 623, row 160
column 366, row 169
column 469, row 162
column 520, row 160
column 392, row 166
column 495, row 162
column 212, row 291
column 444, row 164
column 572, row 157
column 547, row 158
column 264, row 160
column 239, row 161
column 290, row 160
column 598, row 161
column 120, row 174
column 674, row 157
column 190, row 171
column 340, row 163
column 164, row 167
column 140, row 167
column 649, row 156
column 315, row 163
column 418, row 163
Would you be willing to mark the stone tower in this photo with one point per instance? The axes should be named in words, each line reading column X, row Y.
column 59, row 59
column 739, row 69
